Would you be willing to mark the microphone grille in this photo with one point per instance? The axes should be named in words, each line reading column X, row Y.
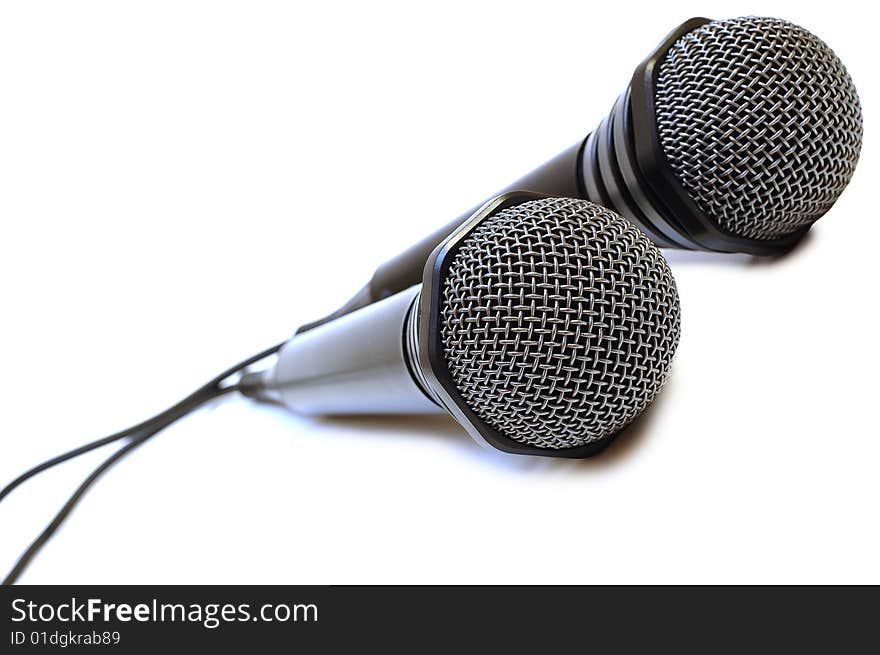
column 760, row 122
column 559, row 321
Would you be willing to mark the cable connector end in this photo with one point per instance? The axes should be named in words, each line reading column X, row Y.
column 258, row 385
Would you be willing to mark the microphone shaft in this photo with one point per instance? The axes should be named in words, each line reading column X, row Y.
column 359, row 363
column 559, row 177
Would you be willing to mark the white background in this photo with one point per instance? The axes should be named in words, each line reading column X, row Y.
column 183, row 183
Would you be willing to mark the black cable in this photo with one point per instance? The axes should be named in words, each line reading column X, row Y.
column 140, row 433
column 158, row 419
column 65, row 511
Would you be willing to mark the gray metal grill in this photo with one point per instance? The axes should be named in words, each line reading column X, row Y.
column 760, row 122
column 559, row 321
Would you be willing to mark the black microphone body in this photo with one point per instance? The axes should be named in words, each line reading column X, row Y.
column 556, row 178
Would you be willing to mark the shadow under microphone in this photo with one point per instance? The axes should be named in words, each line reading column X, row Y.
column 732, row 136
column 543, row 325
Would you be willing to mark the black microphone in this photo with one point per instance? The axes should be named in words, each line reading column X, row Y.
column 732, row 136
column 544, row 326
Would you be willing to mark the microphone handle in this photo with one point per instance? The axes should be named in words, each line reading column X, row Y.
column 361, row 363
column 602, row 168
column 559, row 177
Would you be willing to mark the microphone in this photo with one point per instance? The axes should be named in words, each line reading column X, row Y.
column 732, row 136
column 543, row 325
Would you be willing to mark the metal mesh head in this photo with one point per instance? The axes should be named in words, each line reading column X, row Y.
column 760, row 122
column 559, row 321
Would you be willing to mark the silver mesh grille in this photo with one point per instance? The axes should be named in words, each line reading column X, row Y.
column 559, row 322
column 760, row 122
